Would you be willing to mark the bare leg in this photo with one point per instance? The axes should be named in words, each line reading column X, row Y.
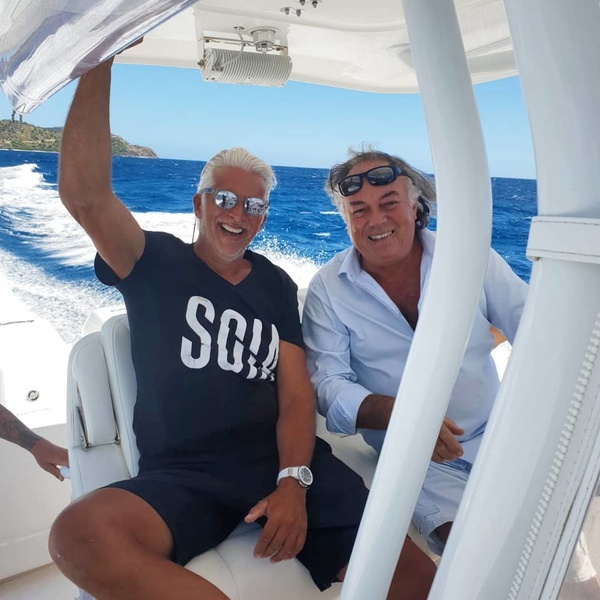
column 116, row 547
column 413, row 576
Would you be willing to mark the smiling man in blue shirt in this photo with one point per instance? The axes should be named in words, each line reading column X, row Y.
column 360, row 316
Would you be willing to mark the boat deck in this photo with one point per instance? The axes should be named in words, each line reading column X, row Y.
column 45, row 583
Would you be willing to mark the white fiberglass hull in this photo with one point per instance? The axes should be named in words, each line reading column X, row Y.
column 33, row 362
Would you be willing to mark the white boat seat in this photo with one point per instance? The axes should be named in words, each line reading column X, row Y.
column 102, row 449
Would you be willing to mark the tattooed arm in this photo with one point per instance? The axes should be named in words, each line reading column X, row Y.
column 13, row 430
column 46, row 454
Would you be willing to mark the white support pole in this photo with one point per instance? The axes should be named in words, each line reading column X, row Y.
column 464, row 232
column 528, row 490
column 557, row 47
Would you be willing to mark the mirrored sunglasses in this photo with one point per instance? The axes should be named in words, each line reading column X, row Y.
column 376, row 176
column 255, row 207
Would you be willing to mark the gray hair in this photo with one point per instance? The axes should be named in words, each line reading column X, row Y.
column 420, row 188
column 241, row 158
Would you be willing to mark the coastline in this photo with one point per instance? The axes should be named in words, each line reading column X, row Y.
column 20, row 135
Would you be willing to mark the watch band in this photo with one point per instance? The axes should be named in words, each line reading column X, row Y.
column 288, row 472
column 301, row 474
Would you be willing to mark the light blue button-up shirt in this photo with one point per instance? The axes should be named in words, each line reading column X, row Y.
column 357, row 343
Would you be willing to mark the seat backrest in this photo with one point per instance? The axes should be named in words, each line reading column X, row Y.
column 301, row 300
column 101, row 391
column 116, row 342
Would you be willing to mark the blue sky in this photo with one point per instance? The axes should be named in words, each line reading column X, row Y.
column 178, row 115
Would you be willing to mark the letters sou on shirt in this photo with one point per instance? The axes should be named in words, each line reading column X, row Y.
column 232, row 354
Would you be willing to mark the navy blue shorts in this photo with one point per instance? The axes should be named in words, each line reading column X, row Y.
column 201, row 508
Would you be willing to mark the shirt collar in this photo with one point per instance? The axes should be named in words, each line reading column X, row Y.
column 350, row 264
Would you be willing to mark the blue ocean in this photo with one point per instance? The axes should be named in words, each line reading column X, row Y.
column 46, row 259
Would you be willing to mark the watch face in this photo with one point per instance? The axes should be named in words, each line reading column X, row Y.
column 305, row 476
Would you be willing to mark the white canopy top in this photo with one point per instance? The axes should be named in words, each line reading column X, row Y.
column 343, row 43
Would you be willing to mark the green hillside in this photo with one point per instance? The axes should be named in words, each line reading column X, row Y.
column 15, row 135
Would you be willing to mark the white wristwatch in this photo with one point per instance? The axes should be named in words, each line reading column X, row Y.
column 303, row 475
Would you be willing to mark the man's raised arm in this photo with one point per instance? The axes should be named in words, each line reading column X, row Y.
column 84, row 182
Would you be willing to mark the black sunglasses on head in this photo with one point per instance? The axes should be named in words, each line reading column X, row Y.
column 225, row 199
column 376, row 176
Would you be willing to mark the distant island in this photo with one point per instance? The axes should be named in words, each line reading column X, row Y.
column 17, row 135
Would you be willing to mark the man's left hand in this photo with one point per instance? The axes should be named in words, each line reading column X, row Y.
column 284, row 534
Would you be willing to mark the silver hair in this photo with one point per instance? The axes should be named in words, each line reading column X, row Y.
column 420, row 188
column 241, row 158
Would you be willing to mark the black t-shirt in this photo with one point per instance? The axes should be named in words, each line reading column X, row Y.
column 205, row 354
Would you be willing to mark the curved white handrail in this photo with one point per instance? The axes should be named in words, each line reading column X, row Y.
column 464, row 226
column 526, row 497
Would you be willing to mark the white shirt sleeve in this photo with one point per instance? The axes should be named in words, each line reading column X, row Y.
column 327, row 344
